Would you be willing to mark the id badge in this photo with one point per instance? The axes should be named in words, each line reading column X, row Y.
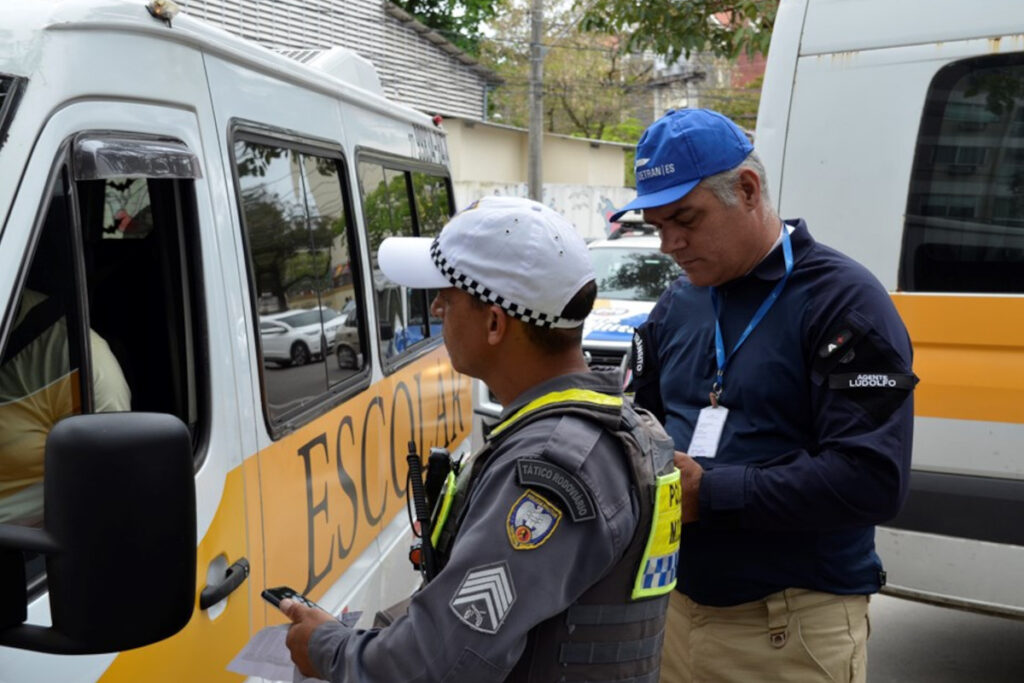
column 708, row 432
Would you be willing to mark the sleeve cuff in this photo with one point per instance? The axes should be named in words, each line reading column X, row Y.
column 325, row 644
column 722, row 493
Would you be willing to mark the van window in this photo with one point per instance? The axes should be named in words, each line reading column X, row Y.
column 964, row 226
column 108, row 294
column 10, row 88
column 433, row 209
column 399, row 202
column 433, row 205
column 296, row 216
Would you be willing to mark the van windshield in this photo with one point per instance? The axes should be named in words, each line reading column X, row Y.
column 9, row 89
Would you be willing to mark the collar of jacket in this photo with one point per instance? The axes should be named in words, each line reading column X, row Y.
column 773, row 267
column 604, row 388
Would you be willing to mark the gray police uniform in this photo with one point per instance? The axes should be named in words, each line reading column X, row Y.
column 550, row 573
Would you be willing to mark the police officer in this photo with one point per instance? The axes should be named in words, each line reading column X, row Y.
column 782, row 371
column 556, row 541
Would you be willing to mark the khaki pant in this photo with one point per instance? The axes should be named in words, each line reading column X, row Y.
column 795, row 636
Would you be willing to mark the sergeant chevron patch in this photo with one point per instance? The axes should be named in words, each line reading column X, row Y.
column 485, row 597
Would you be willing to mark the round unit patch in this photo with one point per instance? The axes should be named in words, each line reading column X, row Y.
column 531, row 521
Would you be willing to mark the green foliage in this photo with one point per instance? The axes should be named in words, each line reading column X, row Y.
column 589, row 82
column 276, row 242
column 1003, row 89
column 457, row 20
column 674, row 28
column 386, row 203
column 629, row 131
column 290, row 242
column 432, row 205
column 386, row 208
column 739, row 104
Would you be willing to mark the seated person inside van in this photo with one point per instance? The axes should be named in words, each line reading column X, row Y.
column 37, row 389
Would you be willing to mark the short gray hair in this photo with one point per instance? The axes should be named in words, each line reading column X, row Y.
column 723, row 185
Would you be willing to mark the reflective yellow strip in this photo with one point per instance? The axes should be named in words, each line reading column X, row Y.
column 448, row 494
column 567, row 396
column 657, row 573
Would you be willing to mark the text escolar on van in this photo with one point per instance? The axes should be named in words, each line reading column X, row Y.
column 166, row 188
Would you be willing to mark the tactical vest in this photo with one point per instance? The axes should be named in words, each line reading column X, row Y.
column 614, row 631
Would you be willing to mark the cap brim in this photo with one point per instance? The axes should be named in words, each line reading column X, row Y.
column 655, row 199
column 407, row 261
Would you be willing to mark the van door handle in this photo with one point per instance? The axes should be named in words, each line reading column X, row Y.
column 233, row 578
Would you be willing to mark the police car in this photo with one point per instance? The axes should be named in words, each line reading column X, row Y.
column 631, row 274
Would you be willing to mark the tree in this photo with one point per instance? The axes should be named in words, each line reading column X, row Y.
column 629, row 131
column 590, row 85
column 457, row 20
column 674, row 28
column 290, row 242
column 739, row 104
column 278, row 241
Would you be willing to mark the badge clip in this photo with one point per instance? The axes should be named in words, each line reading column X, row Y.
column 716, row 390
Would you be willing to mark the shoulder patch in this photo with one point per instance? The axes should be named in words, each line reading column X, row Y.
column 872, row 380
column 837, row 347
column 835, row 342
column 532, row 520
column 574, row 494
column 639, row 354
column 485, row 597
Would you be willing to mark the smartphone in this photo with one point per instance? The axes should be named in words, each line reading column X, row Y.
column 275, row 595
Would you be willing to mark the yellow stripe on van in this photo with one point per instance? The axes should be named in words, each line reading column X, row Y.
column 968, row 354
column 307, row 506
column 202, row 650
column 330, row 487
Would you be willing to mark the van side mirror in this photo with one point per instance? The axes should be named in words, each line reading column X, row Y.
column 119, row 537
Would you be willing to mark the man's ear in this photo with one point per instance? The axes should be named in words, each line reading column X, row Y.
column 748, row 189
column 497, row 324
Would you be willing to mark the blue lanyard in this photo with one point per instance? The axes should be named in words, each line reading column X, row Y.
column 720, row 356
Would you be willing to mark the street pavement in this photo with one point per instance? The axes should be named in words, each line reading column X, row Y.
column 912, row 642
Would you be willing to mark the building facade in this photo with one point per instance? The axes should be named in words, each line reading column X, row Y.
column 416, row 65
column 583, row 179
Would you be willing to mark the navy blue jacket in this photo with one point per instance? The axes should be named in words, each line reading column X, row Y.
column 816, row 448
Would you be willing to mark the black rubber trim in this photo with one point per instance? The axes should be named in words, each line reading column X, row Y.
column 982, row 508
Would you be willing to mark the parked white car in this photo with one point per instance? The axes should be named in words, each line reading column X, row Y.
column 296, row 336
column 631, row 274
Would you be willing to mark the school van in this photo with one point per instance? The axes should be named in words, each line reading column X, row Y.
column 897, row 130
column 164, row 188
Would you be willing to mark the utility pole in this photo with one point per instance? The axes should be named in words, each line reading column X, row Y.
column 534, row 178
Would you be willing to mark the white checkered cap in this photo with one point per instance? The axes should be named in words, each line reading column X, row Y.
column 512, row 252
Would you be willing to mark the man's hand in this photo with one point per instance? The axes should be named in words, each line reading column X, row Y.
column 304, row 621
column 690, row 473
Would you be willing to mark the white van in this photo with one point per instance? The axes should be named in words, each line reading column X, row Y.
column 897, row 130
column 164, row 186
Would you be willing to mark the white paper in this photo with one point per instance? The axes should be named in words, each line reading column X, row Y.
column 266, row 655
column 707, row 433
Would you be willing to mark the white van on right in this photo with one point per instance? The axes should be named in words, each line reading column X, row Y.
column 897, row 130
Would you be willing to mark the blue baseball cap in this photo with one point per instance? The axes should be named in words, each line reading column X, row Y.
column 681, row 149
